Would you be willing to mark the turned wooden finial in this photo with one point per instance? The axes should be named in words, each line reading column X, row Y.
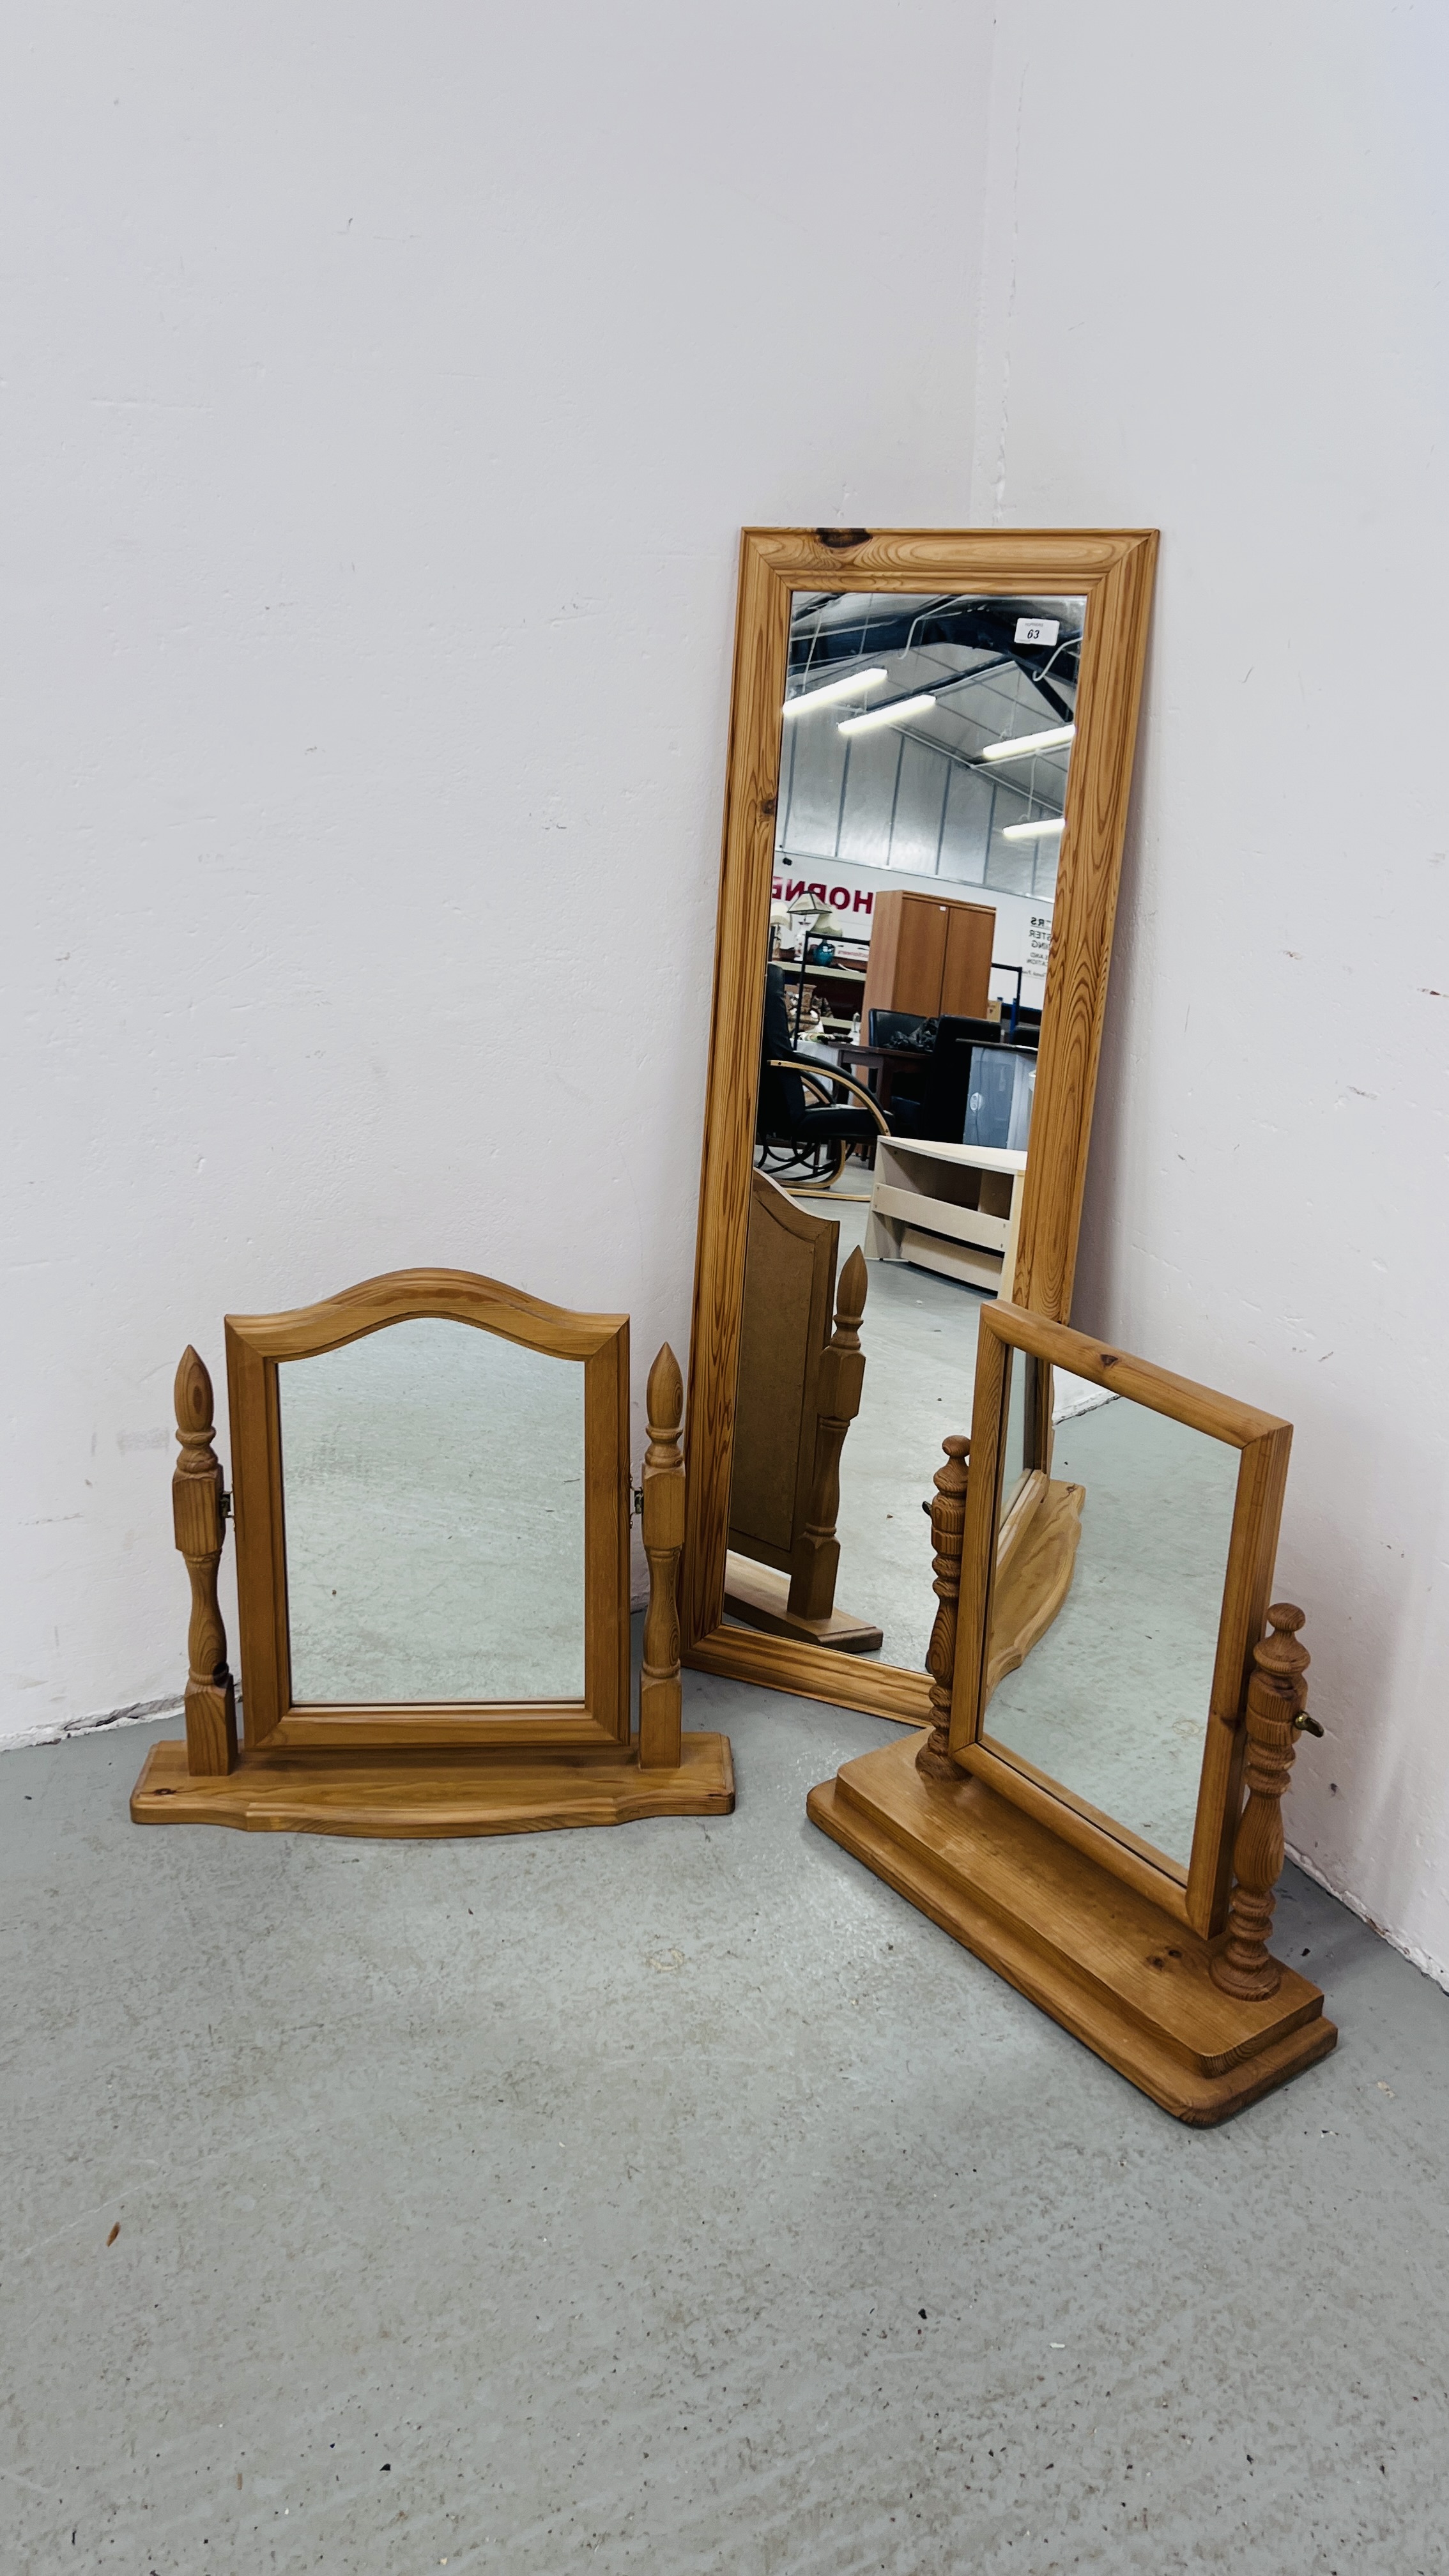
column 198, row 1508
column 850, row 1298
column 660, row 1695
column 948, row 1527
column 1276, row 1696
column 838, row 1389
column 194, row 1408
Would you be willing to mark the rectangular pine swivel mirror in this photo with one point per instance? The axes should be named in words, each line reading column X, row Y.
column 1099, row 1684
column 930, row 754
column 1096, row 1809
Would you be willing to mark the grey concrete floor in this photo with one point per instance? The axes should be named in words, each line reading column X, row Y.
column 672, row 2198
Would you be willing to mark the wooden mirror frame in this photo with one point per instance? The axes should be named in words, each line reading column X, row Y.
column 255, row 1344
column 1113, row 571
column 1198, row 1894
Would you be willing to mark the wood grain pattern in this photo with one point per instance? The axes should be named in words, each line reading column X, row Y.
column 1252, row 1555
column 198, row 1511
column 737, row 1012
column 1198, row 1896
column 789, row 1426
column 838, row 1387
column 948, row 1522
column 1133, row 1859
column 1276, row 1698
column 1113, row 569
column 397, row 1296
column 810, row 1672
column 784, row 1327
column 966, row 969
column 660, row 1697
column 1120, row 1974
column 760, row 1596
column 256, row 1344
column 401, row 1797
column 1089, row 867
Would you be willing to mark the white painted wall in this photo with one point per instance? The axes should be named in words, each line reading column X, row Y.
column 1214, row 302
column 385, row 391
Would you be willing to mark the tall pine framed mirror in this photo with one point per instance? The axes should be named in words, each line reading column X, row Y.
column 930, row 756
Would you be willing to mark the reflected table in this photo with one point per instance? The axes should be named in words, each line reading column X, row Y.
column 876, row 1067
column 955, row 1209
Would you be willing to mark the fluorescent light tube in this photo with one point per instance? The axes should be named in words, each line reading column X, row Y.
column 1034, row 831
column 832, row 690
column 895, row 713
column 1024, row 744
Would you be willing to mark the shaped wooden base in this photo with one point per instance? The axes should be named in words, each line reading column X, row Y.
column 760, row 1598
column 414, row 1796
column 1117, row 1972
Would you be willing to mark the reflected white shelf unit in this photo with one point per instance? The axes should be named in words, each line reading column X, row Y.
column 951, row 1208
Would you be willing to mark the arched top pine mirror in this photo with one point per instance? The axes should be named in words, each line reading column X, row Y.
column 432, row 1504
column 432, row 1501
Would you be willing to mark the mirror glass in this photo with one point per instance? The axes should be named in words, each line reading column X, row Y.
column 924, row 753
column 433, row 1503
column 1112, row 1699
column 1016, row 1452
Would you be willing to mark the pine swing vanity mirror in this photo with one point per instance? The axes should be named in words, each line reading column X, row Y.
column 931, row 743
column 1076, row 1815
column 432, row 1525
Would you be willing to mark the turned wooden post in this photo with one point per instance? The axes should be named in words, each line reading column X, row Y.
column 1276, row 1694
column 660, row 1697
column 842, row 1375
column 198, row 1512
column 948, row 1527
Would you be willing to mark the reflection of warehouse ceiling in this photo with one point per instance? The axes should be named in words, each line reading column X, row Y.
column 830, row 631
column 918, row 796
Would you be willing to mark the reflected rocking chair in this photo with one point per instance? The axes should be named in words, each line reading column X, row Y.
column 796, row 1133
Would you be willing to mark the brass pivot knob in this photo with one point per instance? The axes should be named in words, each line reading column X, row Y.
column 1303, row 1724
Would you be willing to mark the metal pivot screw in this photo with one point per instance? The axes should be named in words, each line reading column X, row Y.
column 1303, row 1724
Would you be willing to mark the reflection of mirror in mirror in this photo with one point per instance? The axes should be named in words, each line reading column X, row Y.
column 925, row 744
column 433, row 1494
column 1022, row 1368
column 1113, row 1701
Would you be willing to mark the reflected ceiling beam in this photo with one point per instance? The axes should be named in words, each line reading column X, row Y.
column 990, row 770
column 1025, row 746
column 985, row 624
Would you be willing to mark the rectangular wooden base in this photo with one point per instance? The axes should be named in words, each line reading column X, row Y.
column 760, row 1598
column 1129, row 1980
column 407, row 1795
